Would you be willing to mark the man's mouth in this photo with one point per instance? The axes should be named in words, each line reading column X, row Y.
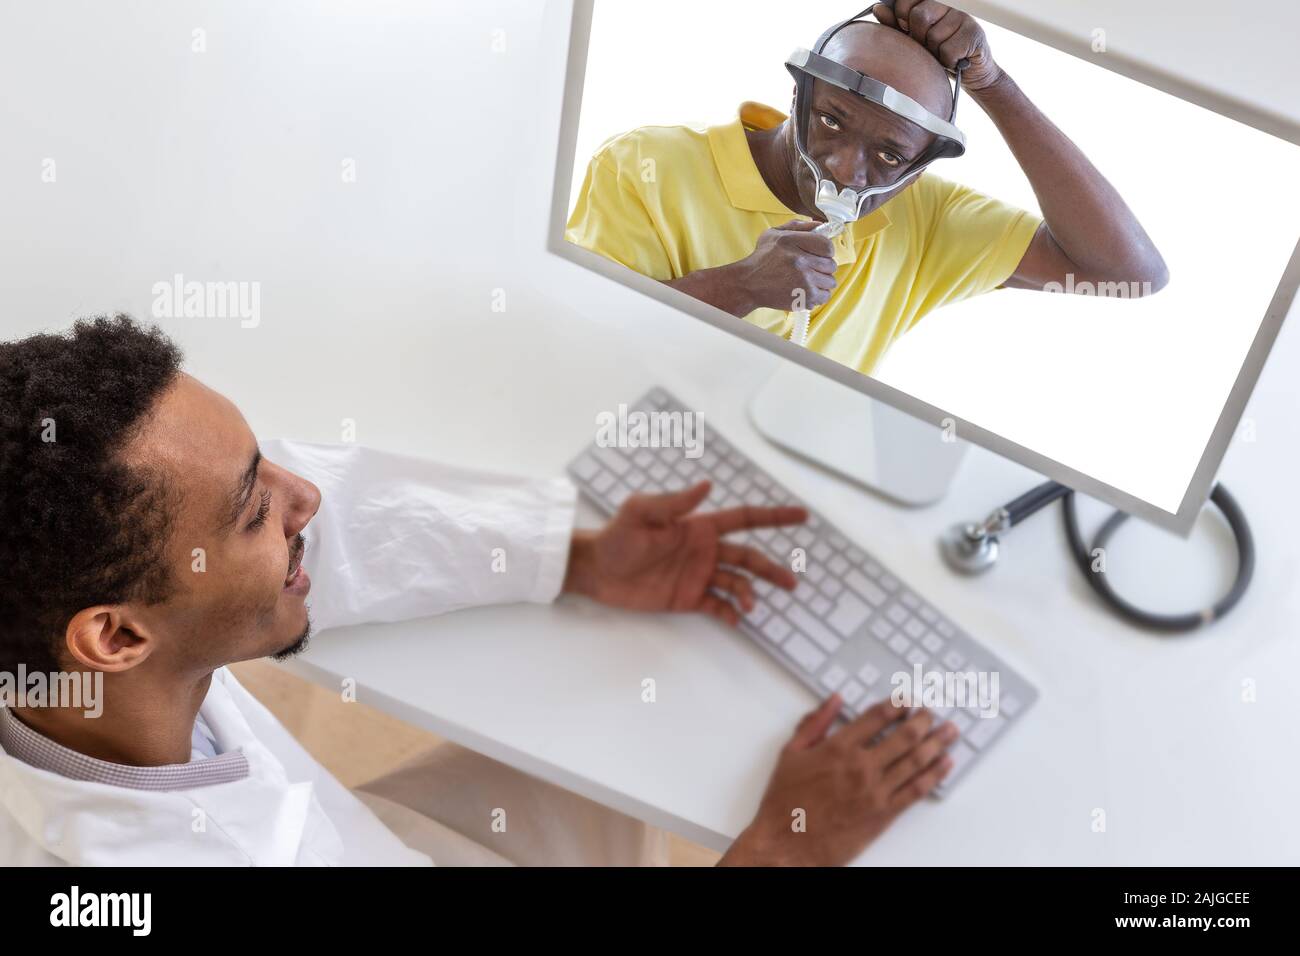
column 295, row 563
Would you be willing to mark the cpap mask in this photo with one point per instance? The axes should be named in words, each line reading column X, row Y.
column 841, row 207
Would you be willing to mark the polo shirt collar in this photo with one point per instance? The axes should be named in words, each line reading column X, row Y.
column 742, row 181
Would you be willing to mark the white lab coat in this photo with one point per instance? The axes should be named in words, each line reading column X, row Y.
column 396, row 538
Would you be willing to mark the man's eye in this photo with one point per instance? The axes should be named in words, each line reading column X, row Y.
column 889, row 159
column 830, row 122
column 262, row 512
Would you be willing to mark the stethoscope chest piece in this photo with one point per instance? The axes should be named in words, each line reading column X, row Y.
column 970, row 548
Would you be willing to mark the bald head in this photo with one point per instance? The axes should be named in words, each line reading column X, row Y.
column 895, row 59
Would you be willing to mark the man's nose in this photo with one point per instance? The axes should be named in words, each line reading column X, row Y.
column 306, row 502
column 848, row 167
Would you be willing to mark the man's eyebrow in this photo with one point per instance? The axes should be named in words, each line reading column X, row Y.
column 896, row 146
column 243, row 492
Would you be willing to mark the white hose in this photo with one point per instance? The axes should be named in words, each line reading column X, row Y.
column 831, row 228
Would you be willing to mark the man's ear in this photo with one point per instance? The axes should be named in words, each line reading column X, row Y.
column 108, row 638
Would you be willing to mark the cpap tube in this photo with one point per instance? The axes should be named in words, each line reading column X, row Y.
column 831, row 228
column 839, row 209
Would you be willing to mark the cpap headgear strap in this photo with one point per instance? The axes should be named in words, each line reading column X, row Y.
column 809, row 65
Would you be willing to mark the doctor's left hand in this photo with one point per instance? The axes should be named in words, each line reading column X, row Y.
column 655, row 555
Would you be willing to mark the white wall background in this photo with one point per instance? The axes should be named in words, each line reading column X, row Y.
column 1126, row 391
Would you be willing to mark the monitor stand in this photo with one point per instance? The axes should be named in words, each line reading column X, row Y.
column 868, row 442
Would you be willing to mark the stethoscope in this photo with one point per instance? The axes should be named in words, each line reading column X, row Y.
column 974, row 548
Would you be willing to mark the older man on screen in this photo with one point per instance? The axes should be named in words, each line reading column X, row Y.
column 729, row 217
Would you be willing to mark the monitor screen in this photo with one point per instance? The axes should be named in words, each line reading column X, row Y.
column 1090, row 287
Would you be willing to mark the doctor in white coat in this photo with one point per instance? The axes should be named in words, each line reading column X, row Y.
column 154, row 541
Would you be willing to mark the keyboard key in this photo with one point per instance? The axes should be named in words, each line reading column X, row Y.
column 928, row 615
column 586, row 468
column 838, row 542
column 869, row 674
column 916, row 656
column 804, row 654
column 814, row 629
column 945, row 629
column 852, row 692
column 833, row 677
column 985, row 729
column 909, row 600
column 953, row 660
column 888, row 582
column 913, row 628
column 659, row 474
column 803, row 536
column 602, row 483
column 820, row 551
column 897, row 614
column 762, row 611
column 820, row 606
column 854, row 555
column 866, row 587
column 614, row 460
column 831, row 588
column 898, row 644
column 962, row 720
column 777, row 629
column 881, row 629
column 816, row 572
column 848, row 615
column 636, row 480
column 838, row 565
column 741, row 485
column 873, row 569
column 779, row 598
column 931, row 642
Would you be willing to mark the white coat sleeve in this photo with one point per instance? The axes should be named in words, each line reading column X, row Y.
column 399, row 537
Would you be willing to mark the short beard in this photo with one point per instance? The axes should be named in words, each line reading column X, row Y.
column 297, row 647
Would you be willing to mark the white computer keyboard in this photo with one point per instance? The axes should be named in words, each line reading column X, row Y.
column 850, row 626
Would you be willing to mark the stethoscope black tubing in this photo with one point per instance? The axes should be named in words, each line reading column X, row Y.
column 1044, row 494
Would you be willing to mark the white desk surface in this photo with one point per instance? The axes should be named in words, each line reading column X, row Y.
column 377, row 307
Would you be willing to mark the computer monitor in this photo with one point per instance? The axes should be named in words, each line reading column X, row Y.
column 1105, row 330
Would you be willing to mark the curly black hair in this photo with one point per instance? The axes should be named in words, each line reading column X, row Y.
column 77, row 526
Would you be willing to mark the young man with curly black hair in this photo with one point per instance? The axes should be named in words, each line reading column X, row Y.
column 147, row 536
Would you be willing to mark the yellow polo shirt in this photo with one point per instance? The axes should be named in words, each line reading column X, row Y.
column 671, row 200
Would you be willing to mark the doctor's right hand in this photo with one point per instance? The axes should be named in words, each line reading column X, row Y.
column 831, row 795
